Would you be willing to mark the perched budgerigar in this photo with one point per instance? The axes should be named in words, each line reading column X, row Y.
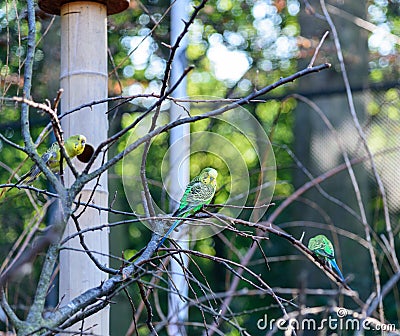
column 199, row 192
column 323, row 248
column 74, row 146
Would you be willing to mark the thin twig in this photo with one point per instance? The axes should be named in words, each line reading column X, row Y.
column 101, row 267
column 148, row 307
column 317, row 49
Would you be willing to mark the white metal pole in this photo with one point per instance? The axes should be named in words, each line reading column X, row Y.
column 179, row 169
column 84, row 78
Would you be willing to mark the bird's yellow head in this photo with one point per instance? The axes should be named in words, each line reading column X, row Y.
column 75, row 145
column 209, row 176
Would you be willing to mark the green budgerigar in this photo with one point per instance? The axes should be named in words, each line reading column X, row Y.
column 198, row 192
column 323, row 248
column 74, row 145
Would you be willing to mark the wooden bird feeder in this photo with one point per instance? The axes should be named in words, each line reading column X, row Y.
column 84, row 78
column 54, row 6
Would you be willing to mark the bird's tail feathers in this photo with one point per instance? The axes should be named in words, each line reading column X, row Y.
column 336, row 267
column 19, row 182
column 172, row 228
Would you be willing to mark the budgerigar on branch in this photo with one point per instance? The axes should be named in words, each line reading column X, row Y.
column 199, row 192
column 74, row 146
column 323, row 248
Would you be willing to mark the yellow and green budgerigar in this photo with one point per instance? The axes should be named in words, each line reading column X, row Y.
column 74, row 145
column 323, row 249
column 198, row 192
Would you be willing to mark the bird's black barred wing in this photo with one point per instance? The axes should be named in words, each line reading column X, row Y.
column 48, row 157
